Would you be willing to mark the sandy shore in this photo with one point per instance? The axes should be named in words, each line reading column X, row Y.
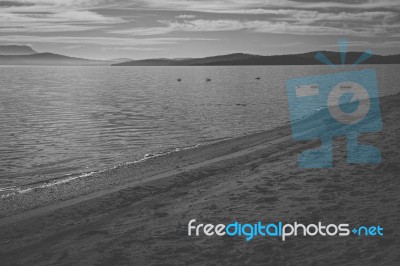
column 138, row 214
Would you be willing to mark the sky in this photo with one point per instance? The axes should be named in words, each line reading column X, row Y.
column 138, row 29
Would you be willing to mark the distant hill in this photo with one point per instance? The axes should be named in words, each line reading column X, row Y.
column 16, row 50
column 241, row 59
column 25, row 55
column 118, row 60
column 48, row 59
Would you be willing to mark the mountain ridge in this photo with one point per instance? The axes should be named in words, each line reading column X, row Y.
column 250, row 59
column 16, row 50
column 49, row 59
column 28, row 56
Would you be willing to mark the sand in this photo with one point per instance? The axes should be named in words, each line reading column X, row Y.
column 138, row 214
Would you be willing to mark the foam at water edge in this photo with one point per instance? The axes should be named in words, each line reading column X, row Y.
column 51, row 183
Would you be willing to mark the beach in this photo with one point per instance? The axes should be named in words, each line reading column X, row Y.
column 137, row 214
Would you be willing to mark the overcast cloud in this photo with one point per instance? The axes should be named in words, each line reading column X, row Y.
column 188, row 28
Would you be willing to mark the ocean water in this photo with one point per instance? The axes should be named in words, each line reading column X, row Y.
column 58, row 122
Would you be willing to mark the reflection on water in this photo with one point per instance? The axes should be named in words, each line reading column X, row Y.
column 61, row 120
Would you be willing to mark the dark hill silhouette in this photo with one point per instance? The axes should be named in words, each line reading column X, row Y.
column 119, row 60
column 249, row 59
column 16, row 50
column 48, row 59
column 24, row 55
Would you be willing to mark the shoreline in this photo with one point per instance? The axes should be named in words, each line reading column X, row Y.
column 69, row 191
column 6, row 192
column 16, row 202
column 246, row 179
column 14, row 191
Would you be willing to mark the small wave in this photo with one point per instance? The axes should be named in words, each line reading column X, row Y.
column 17, row 190
column 12, row 191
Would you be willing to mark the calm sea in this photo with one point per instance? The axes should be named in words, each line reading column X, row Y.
column 62, row 121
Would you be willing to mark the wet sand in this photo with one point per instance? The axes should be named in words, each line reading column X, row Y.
column 138, row 214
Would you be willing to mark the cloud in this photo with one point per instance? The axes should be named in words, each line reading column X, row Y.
column 101, row 41
column 61, row 3
column 68, row 16
column 136, row 48
column 143, row 31
column 231, row 5
column 205, row 25
column 359, row 5
column 53, row 16
column 305, row 17
column 12, row 4
column 59, row 20
column 45, row 28
column 199, row 25
column 301, row 23
column 81, row 15
column 370, row 44
column 309, row 16
column 185, row 16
